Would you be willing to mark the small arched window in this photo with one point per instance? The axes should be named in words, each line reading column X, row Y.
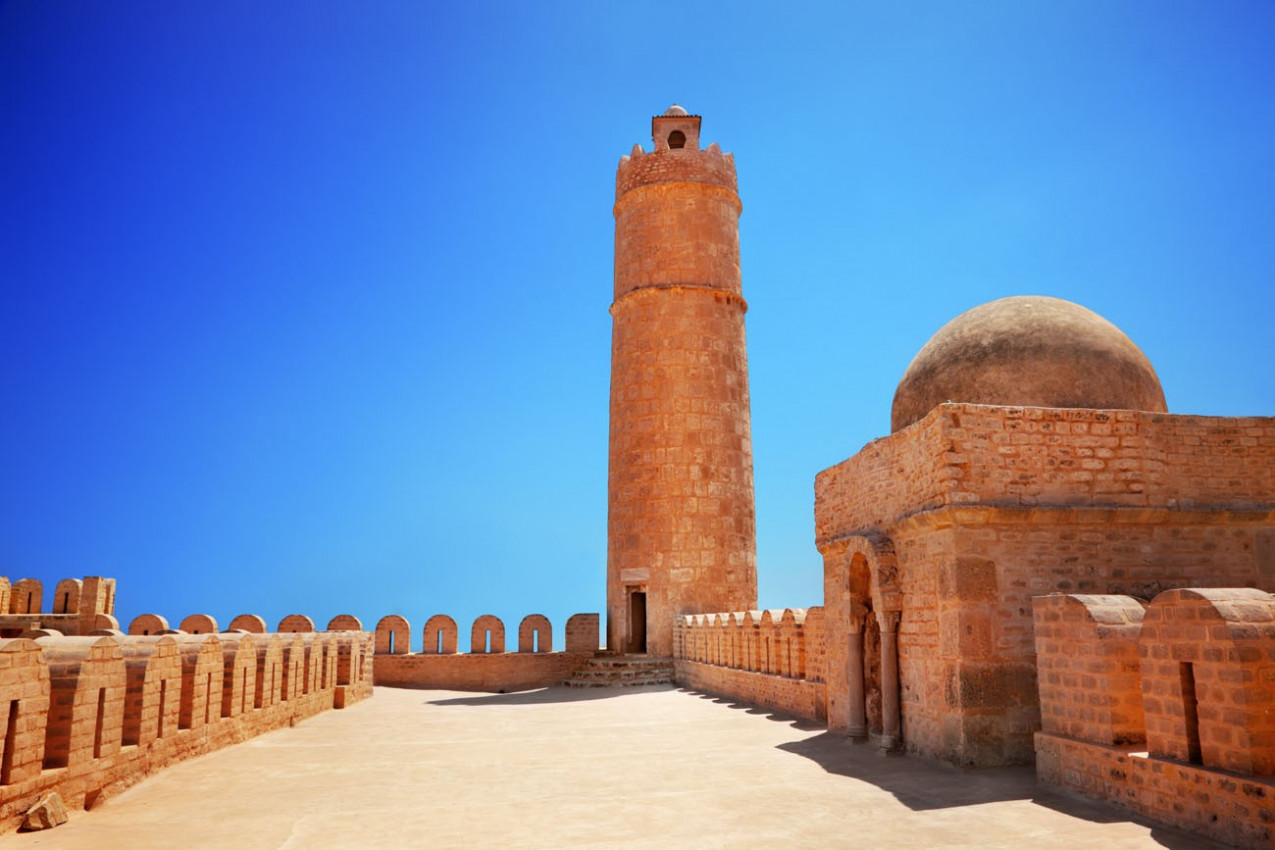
column 676, row 140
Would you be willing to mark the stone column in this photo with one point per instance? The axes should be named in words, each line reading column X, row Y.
column 891, row 724
column 854, row 675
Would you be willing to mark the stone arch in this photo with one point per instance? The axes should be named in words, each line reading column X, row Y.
column 393, row 635
column 86, row 700
column 199, row 624
column 269, row 671
column 535, row 634
column 295, row 623
column 860, row 586
column 147, row 624
column 202, row 680
column 345, row 623
column 106, row 623
column 152, row 698
column 66, row 596
column 293, row 666
column 27, row 597
column 441, row 635
column 239, row 684
column 487, row 635
column 24, row 710
column 250, row 623
column 1207, row 659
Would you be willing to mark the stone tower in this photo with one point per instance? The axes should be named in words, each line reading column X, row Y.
column 680, row 525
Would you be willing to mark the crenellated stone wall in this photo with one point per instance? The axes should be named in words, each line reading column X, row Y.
column 89, row 716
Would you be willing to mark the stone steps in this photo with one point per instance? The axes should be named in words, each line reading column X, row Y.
column 623, row 671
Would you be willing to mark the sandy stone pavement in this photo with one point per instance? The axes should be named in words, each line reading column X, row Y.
column 652, row 767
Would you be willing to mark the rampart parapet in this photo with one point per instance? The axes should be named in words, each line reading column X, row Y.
column 772, row 658
column 87, row 716
column 1164, row 710
column 488, row 664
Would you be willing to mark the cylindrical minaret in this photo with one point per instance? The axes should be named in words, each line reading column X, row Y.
column 680, row 525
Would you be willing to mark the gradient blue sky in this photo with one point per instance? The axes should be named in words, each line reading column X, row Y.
column 305, row 304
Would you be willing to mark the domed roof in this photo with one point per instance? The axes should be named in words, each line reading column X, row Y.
column 1028, row 350
column 674, row 110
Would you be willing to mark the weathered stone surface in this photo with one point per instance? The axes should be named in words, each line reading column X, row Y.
column 1028, row 350
column 46, row 814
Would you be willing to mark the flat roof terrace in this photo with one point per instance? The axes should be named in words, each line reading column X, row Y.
column 654, row 767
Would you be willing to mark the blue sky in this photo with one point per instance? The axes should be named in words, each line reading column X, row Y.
column 305, row 304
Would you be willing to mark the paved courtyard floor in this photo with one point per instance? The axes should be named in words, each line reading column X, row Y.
column 558, row 768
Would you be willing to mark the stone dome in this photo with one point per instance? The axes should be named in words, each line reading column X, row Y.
column 1028, row 350
column 674, row 110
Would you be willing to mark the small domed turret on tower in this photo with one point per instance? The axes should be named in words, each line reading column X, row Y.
column 680, row 520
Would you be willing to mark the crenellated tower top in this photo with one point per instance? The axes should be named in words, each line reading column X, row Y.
column 676, row 157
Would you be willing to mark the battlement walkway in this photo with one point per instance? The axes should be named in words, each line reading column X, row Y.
column 656, row 767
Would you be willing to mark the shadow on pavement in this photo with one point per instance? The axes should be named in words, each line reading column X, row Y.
column 922, row 784
column 918, row 783
column 556, row 694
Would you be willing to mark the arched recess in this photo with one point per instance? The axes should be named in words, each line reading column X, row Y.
column 860, row 593
column 441, row 636
column 393, row 635
column 535, row 634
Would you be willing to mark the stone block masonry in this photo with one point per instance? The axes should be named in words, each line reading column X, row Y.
column 1168, row 711
column 89, row 716
column 936, row 538
column 487, row 666
column 680, row 523
column 769, row 658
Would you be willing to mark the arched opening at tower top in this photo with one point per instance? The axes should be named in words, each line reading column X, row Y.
column 676, row 140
